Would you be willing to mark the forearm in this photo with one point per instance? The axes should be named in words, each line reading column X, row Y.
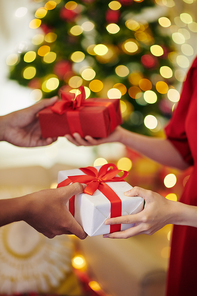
column 183, row 214
column 12, row 210
column 157, row 149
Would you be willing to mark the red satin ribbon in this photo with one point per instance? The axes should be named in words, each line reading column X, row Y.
column 72, row 105
column 97, row 180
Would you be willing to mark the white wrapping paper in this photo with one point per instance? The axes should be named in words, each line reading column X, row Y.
column 91, row 211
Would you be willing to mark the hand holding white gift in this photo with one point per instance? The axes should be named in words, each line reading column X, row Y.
column 103, row 198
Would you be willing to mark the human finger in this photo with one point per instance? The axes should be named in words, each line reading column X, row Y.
column 72, row 140
column 43, row 104
column 71, row 190
column 127, row 219
column 138, row 191
column 133, row 231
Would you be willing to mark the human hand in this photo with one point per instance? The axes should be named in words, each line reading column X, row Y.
column 22, row 128
column 156, row 214
column 77, row 140
column 46, row 211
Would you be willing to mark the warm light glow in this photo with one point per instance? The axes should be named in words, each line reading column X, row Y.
column 78, row 262
column 114, row 93
column 124, row 164
column 150, row 97
column 29, row 72
column 114, row 5
column 165, row 252
column 36, row 95
column 122, row 88
column 100, row 49
column 50, row 57
column 182, row 61
column 170, row 180
column 113, row 28
column 50, row 37
column 75, row 81
column 29, row 56
column 130, row 46
column 162, row 87
column 178, row 38
column 156, row 50
column 164, row 22
column 21, row 11
column 38, row 39
column 135, row 77
column 88, row 74
column 150, row 122
column 187, row 49
column 76, row 30
column 71, row 5
column 94, row 286
column 50, row 5
column 52, row 83
column 77, row 56
column 100, row 161
column 186, row 18
column 87, row 26
column 35, row 23
column 41, row 12
column 96, row 85
column 12, row 59
column 166, row 72
column 44, row 49
column 145, row 84
column 171, row 196
column 173, row 95
column 122, row 71
column 132, row 25
column 134, row 92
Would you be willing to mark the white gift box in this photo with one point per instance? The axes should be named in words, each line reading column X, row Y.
column 91, row 211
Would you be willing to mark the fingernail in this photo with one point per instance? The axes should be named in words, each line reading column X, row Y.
column 127, row 192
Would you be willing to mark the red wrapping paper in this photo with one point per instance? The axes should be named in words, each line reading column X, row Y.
column 94, row 117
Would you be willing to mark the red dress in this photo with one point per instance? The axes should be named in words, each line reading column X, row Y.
column 182, row 132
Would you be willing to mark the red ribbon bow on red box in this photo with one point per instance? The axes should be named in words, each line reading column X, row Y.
column 69, row 101
column 97, row 180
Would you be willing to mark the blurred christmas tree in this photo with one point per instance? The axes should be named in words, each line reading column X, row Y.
column 116, row 49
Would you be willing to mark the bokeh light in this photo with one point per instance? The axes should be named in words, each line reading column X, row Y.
column 100, row 161
column 170, row 180
column 124, row 164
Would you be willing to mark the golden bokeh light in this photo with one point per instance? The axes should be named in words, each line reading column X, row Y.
column 36, row 95
column 100, row 49
column 12, row 59
column 166, row 72
column 77, row 56
column 145, row 84
column 164, row 22
column 172, row 196
column 88, row 74
column 75, row 81
column 186, row 18
column 79, row 262
column 162, row 87
column 41, row 12
column 173, row 95
column 122, row 88
column 132, row 25
column 122, row 71
column 29, row 56
column 135, row 77
column 35, row 24
column 156, row 50
column 178, row 38
column 50, row 37
column 114, row 93
column 182, row 61
column 76, row 30
column 165, row 252
column 134, row 91
column 170, row 180
column 114, row 5
column 113, row 28
column 96, row 85
column 150, row 97
column 50, row 57
column 29, row 72
column 130, row 46
column 50, row 5
column 100, row 161
column 94, row 286
column 187, row 49
column 87, row 26
column 50, row 83
column 38, row 39
column 151, row 122
column 43, row 50
column 71, row 5
column 124, row 164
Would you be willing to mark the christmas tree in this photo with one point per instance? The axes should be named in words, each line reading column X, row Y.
column 116, row 49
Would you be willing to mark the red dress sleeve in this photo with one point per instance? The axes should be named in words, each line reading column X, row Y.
column 175, row 130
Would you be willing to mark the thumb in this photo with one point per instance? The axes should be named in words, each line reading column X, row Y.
column 44, row 103
column 72, row 189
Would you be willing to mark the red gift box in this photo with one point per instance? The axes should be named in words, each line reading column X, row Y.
column 94, row 117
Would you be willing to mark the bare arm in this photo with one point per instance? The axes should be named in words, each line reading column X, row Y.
column 157, row 213
column 45, row 210
column 157, row 149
